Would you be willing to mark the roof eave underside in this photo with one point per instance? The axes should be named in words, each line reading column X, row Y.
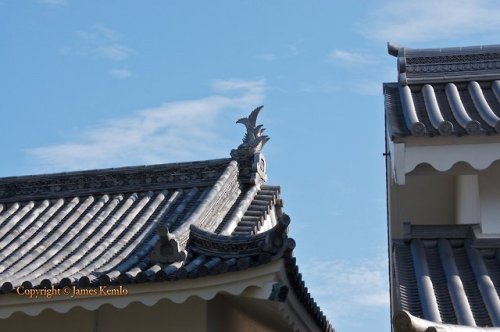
column 298, row 307
column 149, row 294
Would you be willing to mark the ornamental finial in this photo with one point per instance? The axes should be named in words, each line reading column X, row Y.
column 254, row 139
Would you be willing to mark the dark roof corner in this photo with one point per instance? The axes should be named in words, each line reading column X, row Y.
column 167, row 249
column 279, row 292
column 393, row 48
column 252, row 164
column 276, row 240
column 261, row 247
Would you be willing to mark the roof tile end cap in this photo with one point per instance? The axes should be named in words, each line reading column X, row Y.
column 393, row 48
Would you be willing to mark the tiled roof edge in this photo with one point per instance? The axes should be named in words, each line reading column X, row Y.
column 163, row 176
column 454, row 64
column 267, row 245
column 395, row 49
column 403, row 321
column 468, row 232
column 392, row 105
column 300, row 289
column 411, row 231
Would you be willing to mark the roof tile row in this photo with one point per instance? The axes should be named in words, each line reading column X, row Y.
column 442, row 92
column 443, row 109
column 448, row 280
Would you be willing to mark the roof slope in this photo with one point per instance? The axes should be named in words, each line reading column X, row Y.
column 450, row 91
column 101, row 224
column 446, row 275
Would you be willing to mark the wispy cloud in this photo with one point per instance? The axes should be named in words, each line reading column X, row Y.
column 100, row 41
column 347, row 57
column 412, row 21
column 115, row 52
column 54, row 3
column 120, row 73
column 175, row 131
column 266, row 57
column 349, row 289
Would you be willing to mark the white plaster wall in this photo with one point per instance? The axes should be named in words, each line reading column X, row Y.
column 423, row 200
column 231, row 313
column 467, row 199
column 164, row 316
column 77, row 320
column 224, row 313
column 489, row 193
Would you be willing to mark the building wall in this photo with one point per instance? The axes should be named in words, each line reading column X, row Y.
column 430, row 197
column 489, row 198
column 163, row 316
column 231, row 313
column 424, row 199
column 224, row 313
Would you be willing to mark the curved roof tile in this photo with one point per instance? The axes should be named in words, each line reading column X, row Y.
column 444, row 274
column 443, row 92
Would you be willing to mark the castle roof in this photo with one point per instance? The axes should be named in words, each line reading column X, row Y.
column 444, row 92
column 446, row 275
column 158, row 224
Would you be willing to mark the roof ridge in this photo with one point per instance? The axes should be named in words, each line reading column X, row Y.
column 395, row 49
column 161, row 176
column 455, row 64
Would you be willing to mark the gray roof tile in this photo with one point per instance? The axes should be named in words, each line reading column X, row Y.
column 449, row 280
column 445, row 92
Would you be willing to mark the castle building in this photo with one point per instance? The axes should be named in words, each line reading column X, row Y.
column 195, row 246
column 443, row 188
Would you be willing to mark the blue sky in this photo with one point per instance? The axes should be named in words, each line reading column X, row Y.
column 93, row 84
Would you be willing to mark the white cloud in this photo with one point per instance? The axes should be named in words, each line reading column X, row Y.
column 266, row 57
column 114, row 52
column 54, row 2
column 175, row 131
column 407, row 21
column 347, row 289
column 346, row 57
column 100, row 41
column 236, row 85
column 120, row 73
column 99, row 30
